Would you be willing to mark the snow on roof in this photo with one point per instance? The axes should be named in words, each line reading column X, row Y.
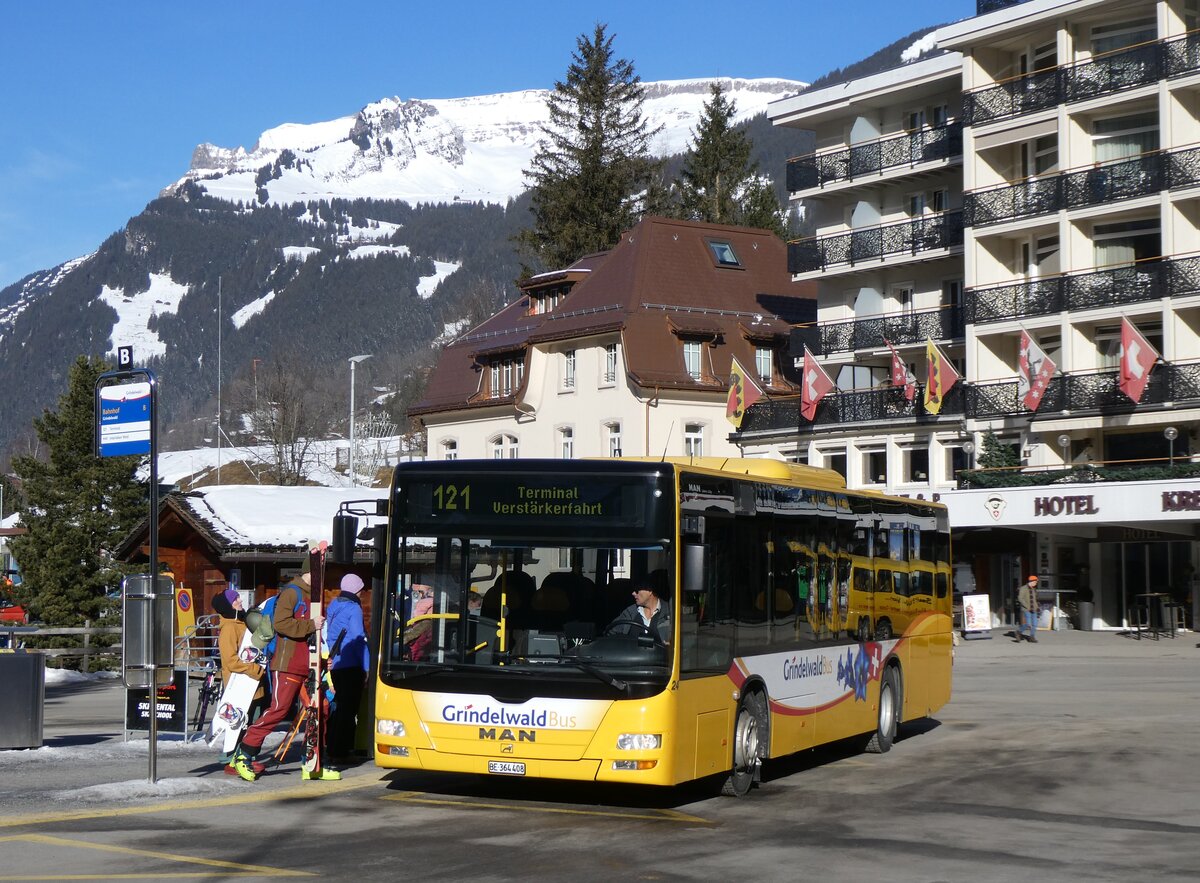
column 253, row 515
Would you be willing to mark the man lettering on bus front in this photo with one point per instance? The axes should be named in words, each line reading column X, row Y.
column 650, row 608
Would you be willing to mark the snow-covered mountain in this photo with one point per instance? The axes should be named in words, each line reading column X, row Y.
column 436, row 150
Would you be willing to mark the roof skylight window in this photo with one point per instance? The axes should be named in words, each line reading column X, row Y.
column 723, row 253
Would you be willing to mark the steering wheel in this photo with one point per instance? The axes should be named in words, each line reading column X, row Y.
column 618, row 624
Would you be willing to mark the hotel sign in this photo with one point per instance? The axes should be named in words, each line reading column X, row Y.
column 1115, row 503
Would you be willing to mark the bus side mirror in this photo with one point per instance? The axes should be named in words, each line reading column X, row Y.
column 345, row 536
column 693, row 567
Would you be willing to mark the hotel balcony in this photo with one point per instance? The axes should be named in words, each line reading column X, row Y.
column 1144, row 281
column 873, row 332
column 1086, row 393
column 1107, row 74
column 1083, row 473
column 907, row 150
column 846, row 409
column 1098, row 184
column 873, row 245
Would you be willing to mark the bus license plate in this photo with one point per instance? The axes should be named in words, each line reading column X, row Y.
column 506, row 767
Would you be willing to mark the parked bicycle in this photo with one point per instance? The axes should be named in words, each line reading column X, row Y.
column 210, row 692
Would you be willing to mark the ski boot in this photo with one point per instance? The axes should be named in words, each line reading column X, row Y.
column 324, row 774
column 245, row 767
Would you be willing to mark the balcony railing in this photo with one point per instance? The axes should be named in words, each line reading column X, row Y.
column 1083, row 473
column 1078, row 393
column 1144, row 281
column 1112, row 72
column 876, row 243
column 873, row 157
column 886, row 404
column 983, row 7
column 1096, row 185
column 871, row 333
column 1091, row 391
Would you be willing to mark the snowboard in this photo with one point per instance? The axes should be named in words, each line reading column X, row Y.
column 312, row 723
column 233, row 708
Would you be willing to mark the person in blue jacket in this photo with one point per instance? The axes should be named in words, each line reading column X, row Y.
column 349, row 663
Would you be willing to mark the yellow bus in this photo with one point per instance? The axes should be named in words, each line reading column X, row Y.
column 507, row 644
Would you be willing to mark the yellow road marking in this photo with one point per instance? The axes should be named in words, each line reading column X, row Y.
column 662, row 815
column 256, row 870
column 300, row 792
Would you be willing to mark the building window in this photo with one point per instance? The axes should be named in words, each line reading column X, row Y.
column 952, row 290
column 1123, row 243
column 764, row 363
column 874, row 464
column 691, row 358
column 1039, row 156
column 506, row 376
column 613, row 430
column 566, row 442
column 1110, row 38
column 1108, row 343
column 941, row 115
column 916, row 465
column 610, row 363
column 449, row 450
column 723, row 253
column 1040, row 257
column 568, row 380
column 800, row 456
column 835, row 460
column 693, row 440
column 504, row 447
column 916, row 205
column 1124, row 137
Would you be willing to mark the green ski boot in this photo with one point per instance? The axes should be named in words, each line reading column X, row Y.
column 242, row 765
column 325, row 774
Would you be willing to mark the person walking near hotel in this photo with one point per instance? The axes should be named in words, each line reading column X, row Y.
column 349, row 662
column 1028, row 601
column 289, row 667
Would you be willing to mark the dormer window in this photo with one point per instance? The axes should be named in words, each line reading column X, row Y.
column 547, row 299
column 691, row 358
column 723, row 253
column 763, row 363
column 507, row 374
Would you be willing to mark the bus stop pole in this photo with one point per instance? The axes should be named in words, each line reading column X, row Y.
column 151, row 650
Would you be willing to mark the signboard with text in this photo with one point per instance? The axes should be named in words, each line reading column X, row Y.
column 124, row 420
column 977, row 613
column 171, row 705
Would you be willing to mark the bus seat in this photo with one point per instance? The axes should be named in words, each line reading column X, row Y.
column 483, row 631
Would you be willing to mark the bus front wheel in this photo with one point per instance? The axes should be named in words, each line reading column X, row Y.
column 889, row 712
column 749, row 742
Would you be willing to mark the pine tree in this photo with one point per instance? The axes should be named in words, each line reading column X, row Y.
column 76, row 506
column 718, row 183
column 592, row 175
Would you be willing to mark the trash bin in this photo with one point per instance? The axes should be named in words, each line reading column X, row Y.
column 22, row 699
column 1087, row 612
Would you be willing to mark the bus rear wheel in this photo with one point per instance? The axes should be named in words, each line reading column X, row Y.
column 889, row 713
column 749, row 742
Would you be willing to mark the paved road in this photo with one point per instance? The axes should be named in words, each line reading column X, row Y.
column 1072, row 759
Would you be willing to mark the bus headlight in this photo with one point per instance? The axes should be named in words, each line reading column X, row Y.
column 639, row 741
column 389, row 728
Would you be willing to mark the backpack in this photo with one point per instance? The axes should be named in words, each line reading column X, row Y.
column 268, row 611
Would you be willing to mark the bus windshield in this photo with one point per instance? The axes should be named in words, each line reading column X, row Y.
column 557, row 609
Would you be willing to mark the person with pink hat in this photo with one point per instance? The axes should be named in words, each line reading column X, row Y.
column 349, row 663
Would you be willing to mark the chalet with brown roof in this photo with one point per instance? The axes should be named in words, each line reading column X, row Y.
column 624, row 352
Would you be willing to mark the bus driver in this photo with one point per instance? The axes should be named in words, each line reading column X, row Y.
column 650, row 608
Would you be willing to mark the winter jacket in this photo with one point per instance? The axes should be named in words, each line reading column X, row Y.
column 346, row 614
column 229, row 641
column 292, row 630
column 1027, row 598
column 660, row 623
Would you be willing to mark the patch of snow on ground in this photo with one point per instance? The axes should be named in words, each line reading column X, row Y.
column 299, row 252
column 134, row 312
column 370, row 251
column 252, row 309
column 377, row 230
column 428, row 284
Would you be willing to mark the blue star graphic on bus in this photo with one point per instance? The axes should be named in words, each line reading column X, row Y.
column 854, row 672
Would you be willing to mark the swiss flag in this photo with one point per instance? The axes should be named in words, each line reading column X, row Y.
column 901, row 376
column 815, row 385
column 1137, row 358
column 1034, row 369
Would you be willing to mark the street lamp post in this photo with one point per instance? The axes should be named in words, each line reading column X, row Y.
column 1064, row 442
column 1170, row 434
column 354, row 360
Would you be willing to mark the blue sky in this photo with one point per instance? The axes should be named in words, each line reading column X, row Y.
column 104, row 102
